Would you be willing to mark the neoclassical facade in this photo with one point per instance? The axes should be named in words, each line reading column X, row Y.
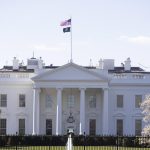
column 101, row 100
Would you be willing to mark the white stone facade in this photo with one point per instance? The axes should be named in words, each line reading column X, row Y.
column 72, row 96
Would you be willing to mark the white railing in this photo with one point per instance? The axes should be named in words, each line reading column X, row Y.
column 4, row 75
column 15, row 75
column 120, row 76
column 131, row 76
column 22, row 75
column 138, row 76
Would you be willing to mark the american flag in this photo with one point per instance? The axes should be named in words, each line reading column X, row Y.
column 66, row 22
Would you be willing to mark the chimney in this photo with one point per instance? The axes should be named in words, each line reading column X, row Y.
column 100, row 64
column 15, row 64
column 40, row 63
column 127, row 65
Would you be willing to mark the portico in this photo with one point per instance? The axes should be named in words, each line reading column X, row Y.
column 71, row 101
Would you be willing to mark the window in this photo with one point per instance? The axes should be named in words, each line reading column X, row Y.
column 48, row 126
column 21, row 126
column 3, row 100
column 2, row 126
column 70, row 101
column 119, row 101
column 138, row 101
column 48, row 101
column 92, row 127
column 119, row 127
column 138, row 126
column 92, row 101
column 22, row 100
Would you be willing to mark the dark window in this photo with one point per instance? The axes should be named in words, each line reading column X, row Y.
column 92, row 127
column 2, row 126
column 22, row 100
column 48, row 126
column 138, row 101
column 21, row 126
column 119, row 127
column 3, row 100
column 119, row 101
column 138, row 126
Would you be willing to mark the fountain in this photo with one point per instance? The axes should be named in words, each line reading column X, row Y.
column 69, row 145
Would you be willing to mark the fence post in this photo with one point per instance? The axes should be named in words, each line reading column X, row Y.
column 16, row 139
column 117, row 141
column 84, row 140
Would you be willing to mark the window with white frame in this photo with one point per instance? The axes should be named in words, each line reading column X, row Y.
column 48, row 126
column 119, row 101
column 138, row 101
column 48, row 101
column 138, row 126
column 92, row 101
column 3, row 100
column 119, row 126
column 3, row 123
column 71, row 101
column 22, row 99
column 21, row 126
column 92, row 126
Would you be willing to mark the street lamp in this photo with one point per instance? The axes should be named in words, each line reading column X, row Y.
column 84, row 141
column 0, row 120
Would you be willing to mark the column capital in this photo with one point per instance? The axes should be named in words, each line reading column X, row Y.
column 105, row 89
column 37, row 89
column 59, row 88
column 82, row 88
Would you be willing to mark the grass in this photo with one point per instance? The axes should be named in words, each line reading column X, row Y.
column 74, row 148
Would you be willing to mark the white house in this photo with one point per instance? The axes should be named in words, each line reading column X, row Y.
column 39, row 99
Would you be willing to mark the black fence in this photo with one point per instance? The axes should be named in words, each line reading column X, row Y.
column 17, row 142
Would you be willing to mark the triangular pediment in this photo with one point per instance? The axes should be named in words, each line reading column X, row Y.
column 69, row 72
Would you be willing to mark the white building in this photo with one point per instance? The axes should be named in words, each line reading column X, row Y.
column 39, row 99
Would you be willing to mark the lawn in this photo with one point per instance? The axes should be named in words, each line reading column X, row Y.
column 74, row 148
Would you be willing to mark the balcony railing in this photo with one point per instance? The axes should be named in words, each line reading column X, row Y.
column 15, row 75
column 130, row 76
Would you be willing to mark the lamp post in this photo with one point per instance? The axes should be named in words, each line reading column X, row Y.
column 0, row 120
column 84, row 141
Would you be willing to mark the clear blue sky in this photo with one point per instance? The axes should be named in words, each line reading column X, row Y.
column 114, row 29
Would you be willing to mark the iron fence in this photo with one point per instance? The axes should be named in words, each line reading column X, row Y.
column 16, row 142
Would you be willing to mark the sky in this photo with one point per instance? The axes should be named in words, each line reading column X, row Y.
column 101, row 29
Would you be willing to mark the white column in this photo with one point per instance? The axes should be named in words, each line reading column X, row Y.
column 36, row 111
column 105, row 112
column 82, row 111
column 59, row 112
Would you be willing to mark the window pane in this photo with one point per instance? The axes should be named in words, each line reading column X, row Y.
column 48, row 126
column 119, row 101
column 138, row 101
column 70, row 101
column 92, row 102
column 22, row 126
column 119, row 127
column 3, row 102
column 138, row 126
column 48, row 101
column 21, row 100
column 92, row 127
column 2, row 126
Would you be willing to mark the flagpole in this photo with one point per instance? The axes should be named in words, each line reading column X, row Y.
column 71, row 40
